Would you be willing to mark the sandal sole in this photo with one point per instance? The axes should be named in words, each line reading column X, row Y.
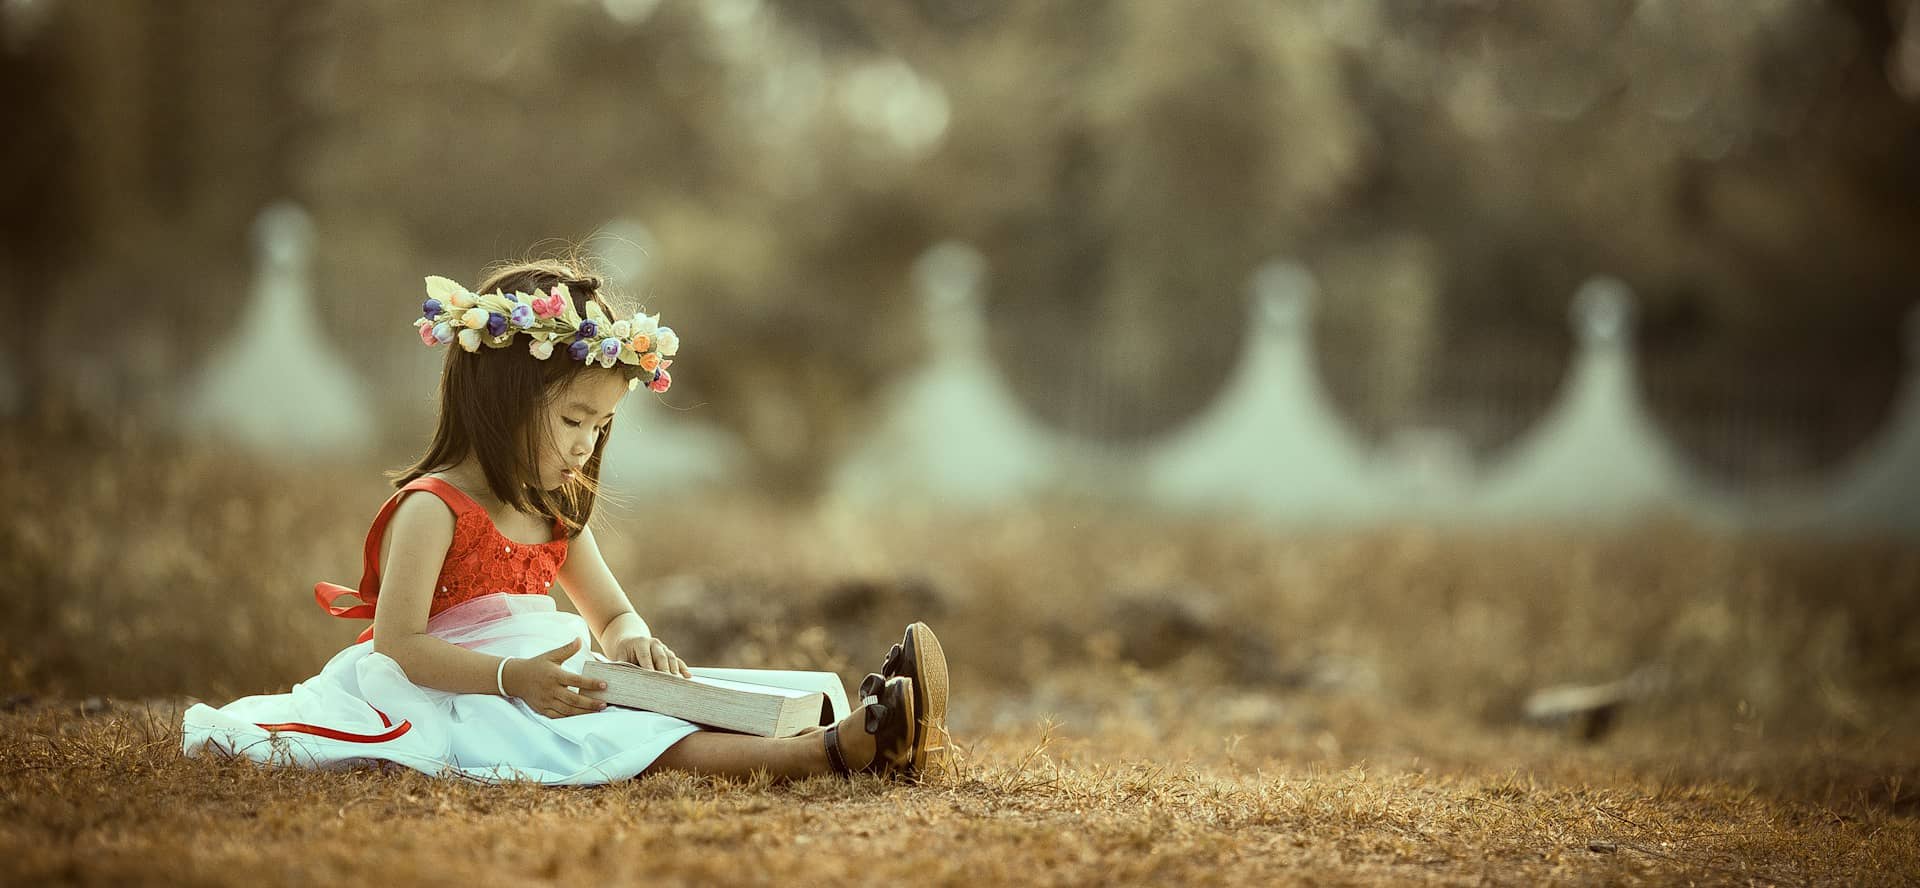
column 930, row 695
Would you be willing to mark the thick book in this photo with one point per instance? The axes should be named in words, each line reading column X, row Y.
column 765, row 702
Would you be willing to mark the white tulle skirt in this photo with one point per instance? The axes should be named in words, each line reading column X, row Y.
column 361, row 709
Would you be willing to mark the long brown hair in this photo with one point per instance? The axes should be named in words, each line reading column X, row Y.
column 492, row 403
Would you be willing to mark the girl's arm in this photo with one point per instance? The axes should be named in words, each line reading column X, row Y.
column 415, row 548
column 600, row 600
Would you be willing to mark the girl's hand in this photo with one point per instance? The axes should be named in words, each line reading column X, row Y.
column 647, row 652
column 547, row 686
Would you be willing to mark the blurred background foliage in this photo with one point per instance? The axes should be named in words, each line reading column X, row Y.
column 1450, row 171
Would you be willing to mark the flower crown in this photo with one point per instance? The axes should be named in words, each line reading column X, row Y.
column 452, row 313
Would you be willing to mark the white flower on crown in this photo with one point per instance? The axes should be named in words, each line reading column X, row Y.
column 667, row 341
column 623, row 329
column 644, row 324
column 470, row 339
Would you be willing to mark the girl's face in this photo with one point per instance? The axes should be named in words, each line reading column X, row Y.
column 580, row 414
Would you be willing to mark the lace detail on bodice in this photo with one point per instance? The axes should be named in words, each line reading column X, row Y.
column 481, row 561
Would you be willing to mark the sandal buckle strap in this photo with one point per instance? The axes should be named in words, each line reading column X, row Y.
column 834, row 757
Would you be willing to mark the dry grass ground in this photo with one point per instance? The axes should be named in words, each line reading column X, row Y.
column 1135, row 701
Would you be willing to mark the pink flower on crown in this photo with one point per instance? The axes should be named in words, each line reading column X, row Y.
column 661, row 381
column 550, row 307
column 426, row 334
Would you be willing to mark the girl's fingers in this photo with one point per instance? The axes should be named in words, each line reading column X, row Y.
column 680, row 668
column 580, row 681
column 562, row 707
column 583, row 703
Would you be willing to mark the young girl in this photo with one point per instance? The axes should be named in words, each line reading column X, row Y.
column 468, row 668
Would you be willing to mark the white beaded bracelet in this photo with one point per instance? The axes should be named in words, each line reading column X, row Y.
column 499, row 673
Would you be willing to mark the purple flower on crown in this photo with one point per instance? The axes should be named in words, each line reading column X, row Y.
column 430, row 308
column 496, row 323
column 610, row 347
column 522, row 316
column 587, row 329
column 578, row 351
column 443, row 331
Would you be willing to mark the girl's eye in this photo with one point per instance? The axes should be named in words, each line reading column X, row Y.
column 571, row 422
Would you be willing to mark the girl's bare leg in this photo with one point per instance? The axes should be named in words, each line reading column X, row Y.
column 784, row 758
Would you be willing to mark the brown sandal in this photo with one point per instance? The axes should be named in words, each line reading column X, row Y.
column 889, row 719
column 919, row 656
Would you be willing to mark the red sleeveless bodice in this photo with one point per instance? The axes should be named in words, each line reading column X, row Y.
column 479, row 561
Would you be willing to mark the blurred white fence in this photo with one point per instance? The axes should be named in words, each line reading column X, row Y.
column 1269, row 445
